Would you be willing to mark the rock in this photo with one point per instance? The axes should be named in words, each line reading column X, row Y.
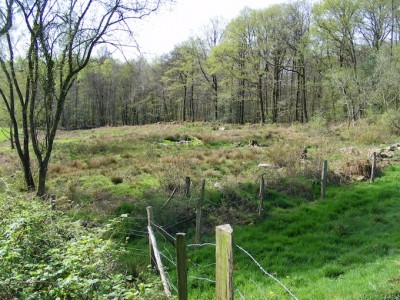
column 391, row 148
column 266, row 165
column 359, row 177
column 218, row 186
column 385, row 154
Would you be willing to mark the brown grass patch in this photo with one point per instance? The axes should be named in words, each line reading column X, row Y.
column 58, row 168
column 77, row 165
column 101, row 161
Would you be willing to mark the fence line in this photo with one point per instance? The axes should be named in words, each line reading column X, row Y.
column 227, row 290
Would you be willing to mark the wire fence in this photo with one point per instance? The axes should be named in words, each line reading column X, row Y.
column 203, row 273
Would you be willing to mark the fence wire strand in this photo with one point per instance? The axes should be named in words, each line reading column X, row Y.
column 200, row 245
column 202, row 279
column 266, row 273
column 240, row 294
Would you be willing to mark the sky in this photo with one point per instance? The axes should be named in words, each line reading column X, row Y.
column 172, row 25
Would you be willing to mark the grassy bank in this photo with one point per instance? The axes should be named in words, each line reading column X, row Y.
column 346, row 247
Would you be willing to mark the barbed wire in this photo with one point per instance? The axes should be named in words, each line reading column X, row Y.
column 206, row 266
column 163, row 230
column 130, row 233
column 240, row 294
column 170, row 284
column 200, row 245
column 266, row 273
column 179, row 222
column 167, row 258
column 202, row 279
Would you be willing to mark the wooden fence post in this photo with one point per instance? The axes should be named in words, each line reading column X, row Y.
column 181, row 266
column 187, row 186
column 261, row 197
column 199, row 214
column 324, row 178
column 224, row 263
column 373, row 167
column 155, row 254
column 149, row 221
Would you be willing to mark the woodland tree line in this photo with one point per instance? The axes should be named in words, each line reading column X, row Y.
column 336, row 59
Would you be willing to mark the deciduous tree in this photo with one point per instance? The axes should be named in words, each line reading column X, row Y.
column 57, row 42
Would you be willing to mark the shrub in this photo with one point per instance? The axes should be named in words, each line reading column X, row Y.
column 44, row 255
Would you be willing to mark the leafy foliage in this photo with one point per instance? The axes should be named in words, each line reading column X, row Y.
column 44, row 255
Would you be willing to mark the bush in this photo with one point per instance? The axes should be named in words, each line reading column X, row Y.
column 44, row 255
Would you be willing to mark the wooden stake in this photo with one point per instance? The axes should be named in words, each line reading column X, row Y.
column 181, row 267
column 373, row 167
column 169, row 199
column 324, row 178
column 224, row 263
column 159, row 264
column 199, row 214
column 187, row 186
column 149, row 221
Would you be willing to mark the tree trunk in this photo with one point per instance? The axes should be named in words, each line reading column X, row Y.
column 215, row 87
column 41, row 190
column 261, row 99
column 192, row 101
column 11, row 138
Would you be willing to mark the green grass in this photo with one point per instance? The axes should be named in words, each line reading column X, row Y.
column 345, row 247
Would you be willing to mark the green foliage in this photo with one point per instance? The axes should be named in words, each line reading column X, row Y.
column 44, row 255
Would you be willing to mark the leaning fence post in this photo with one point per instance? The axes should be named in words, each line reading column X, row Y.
column 373, row 167
column 261, row 196
column 324, row 178
column 224, row 263
column 199, row 214
column 150, row 219
column 181, row 266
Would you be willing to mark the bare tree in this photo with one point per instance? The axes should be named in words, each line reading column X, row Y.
column 6, row 16
column 59, row 40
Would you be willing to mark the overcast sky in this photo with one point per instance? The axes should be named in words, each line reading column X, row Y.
column 159, row 33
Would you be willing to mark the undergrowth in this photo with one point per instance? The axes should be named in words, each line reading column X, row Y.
column 45, row 255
